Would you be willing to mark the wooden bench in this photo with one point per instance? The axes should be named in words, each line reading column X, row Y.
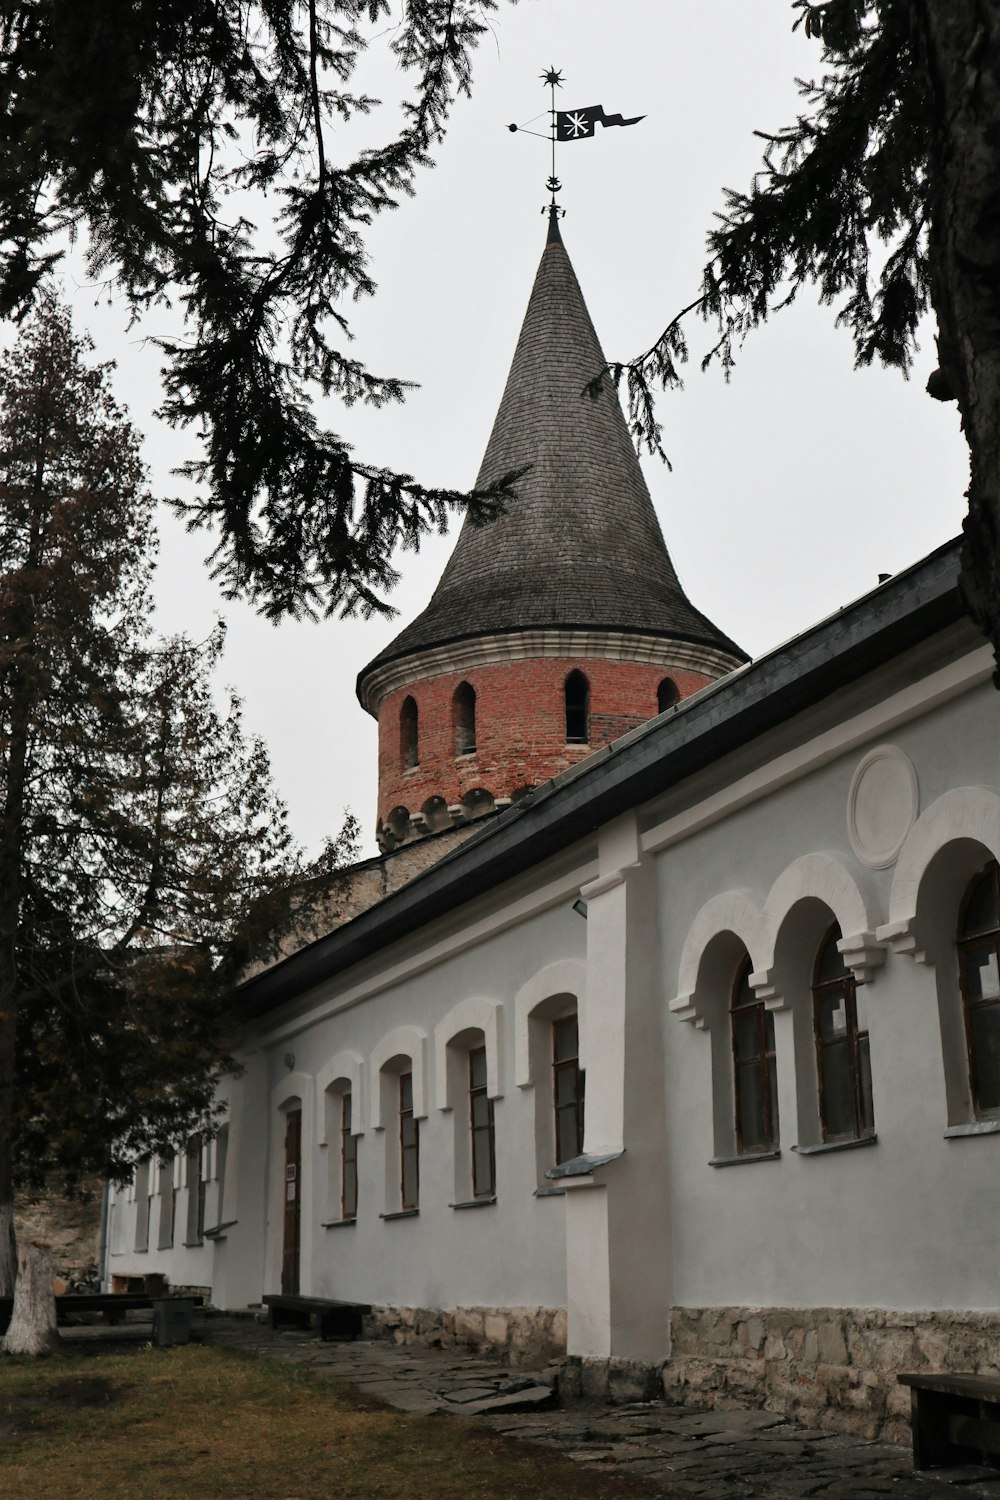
column 113, row 1305
column 955, row 1420
column 336, row 1319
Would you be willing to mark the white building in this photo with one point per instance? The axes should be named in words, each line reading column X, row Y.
column 762, row 928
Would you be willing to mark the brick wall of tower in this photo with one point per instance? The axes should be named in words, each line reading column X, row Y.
column 520, row 730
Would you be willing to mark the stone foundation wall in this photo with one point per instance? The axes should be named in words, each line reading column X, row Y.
column 70, row 1226
column 833, row 1368
column 519, row 1336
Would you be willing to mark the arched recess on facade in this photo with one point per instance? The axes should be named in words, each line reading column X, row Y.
column 294, row 1091
column 463, row 718
column 345, row 1068
column 474, row 1015
column 953, row 838
column 565, row 980
column 576, row 693
column 807, row 897
column 409, row 733
column 726, row 926
column 667, row 695
column 402, row 1042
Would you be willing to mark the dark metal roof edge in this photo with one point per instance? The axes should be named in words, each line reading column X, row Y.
column 733, row 711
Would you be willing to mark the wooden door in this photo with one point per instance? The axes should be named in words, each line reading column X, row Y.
column 292, row 1190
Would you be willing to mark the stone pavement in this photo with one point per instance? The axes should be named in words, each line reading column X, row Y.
column 692, row 1454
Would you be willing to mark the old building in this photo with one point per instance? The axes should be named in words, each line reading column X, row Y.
column 687, row 1059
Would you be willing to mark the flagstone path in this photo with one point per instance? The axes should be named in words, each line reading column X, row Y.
column 693, row 1454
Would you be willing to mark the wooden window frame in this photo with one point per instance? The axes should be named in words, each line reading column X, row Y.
column 479, row 1091
column 978, row 941
column 406, row 1147
column 568, row 1064
column 765, row 1056
column 348, row 1160
column 574, row 680
column 847, row 985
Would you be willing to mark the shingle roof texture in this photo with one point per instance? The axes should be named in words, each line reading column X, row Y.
column 580, row 545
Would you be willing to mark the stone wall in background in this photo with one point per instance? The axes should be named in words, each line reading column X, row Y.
column 833, row 1368
column 71, row 1226
column 520, row 1336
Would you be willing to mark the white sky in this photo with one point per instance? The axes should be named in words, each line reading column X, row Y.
column 792, row 488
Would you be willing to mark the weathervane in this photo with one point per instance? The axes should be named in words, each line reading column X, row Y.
column 568, row 125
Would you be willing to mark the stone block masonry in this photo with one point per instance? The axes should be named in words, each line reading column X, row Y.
column 527, row 1337
column 829, row 1368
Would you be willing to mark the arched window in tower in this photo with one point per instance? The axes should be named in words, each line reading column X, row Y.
column 577, row 709
column 463, row 718
column 409, row 752
column 667, row 694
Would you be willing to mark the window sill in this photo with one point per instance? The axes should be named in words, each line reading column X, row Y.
column 744, row 1161
column 475, row 1203
column 581, row 1166
column 192, row 1244
column 549, row 1192
column 341, row 1223
column 467, row 754
column 972, row 1127
column 401, row 1213
column 826, row 1146
column 218, row 1231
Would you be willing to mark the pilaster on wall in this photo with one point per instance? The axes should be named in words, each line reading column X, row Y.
column 238, row 1259
column 616, row 1309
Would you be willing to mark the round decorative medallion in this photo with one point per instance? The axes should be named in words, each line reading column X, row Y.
column 881, row 805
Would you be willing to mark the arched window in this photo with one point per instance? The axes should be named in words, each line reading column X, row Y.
column 463, row 718
column 409, row 752
column 568, row 1082
column 843, row 1060
column 754, row 1071
column 577, row 709
column 979, row 976
column 667, row 694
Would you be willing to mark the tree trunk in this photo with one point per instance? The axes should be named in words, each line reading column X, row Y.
column 33, row 1322
column 8, row 1250
column 962, row 39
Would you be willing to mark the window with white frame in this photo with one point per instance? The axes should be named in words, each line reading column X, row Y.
column 195, row 1192
column 843, row 1059
column 168, row 1203
column 978, row 943
column 143, row 1200
column 755, row 1081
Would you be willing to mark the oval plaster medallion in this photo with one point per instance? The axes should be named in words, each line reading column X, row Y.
column 881, row 805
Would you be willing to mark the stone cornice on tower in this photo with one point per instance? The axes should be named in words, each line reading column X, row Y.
column 579, row 547
column 530, row 645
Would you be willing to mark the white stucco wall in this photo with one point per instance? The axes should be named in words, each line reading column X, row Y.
column 911, row 1222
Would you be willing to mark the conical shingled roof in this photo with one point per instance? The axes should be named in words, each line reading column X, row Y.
column 580, row 546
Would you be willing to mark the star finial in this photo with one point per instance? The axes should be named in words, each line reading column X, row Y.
column 553, row 78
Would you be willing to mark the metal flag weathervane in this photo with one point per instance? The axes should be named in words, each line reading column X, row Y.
column 569, row 125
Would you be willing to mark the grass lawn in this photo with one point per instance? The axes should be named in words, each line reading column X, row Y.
column 198, row 1423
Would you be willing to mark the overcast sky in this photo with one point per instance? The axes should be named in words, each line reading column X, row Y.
column 793, row 487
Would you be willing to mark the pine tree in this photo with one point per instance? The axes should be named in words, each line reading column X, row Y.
column 148, row 127
column 899, row 142
column 144, row 855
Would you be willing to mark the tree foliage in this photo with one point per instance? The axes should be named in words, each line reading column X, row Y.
column 192, row 143
column 883, row 196
column 145, row 858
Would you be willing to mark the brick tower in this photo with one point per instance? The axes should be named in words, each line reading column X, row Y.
column 555, row 628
